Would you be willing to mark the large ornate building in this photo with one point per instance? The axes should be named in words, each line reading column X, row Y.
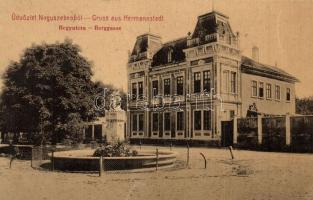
column 187, row 88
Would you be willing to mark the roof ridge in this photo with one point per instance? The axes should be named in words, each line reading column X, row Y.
column 175, row 40
column 269, row 67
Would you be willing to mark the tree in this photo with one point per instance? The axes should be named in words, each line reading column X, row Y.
column 48, row 92
column 304, row 106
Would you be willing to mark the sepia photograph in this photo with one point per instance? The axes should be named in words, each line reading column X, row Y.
column 156, row 100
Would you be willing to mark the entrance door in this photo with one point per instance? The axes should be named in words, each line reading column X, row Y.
column 227, row 133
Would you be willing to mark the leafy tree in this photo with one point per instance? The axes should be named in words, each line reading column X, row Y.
column 304, row 106
column 48, row 92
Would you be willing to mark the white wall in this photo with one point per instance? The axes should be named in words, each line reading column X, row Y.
column 264, row 105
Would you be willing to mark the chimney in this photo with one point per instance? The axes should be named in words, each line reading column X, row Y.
column 255, row 53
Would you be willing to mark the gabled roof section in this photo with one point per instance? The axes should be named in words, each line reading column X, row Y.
column 175, row 47
column 210, row 24
column 146, row 45
column 141, row 45
column 251, row 66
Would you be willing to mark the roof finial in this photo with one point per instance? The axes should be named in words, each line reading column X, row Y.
column 212, row 2
column 149, row 28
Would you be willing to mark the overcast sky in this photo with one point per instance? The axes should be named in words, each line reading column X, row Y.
column 283, row 30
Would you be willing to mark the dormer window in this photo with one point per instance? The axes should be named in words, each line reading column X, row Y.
column 170, row 55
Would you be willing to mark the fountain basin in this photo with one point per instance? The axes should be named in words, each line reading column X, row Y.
column 82, row 160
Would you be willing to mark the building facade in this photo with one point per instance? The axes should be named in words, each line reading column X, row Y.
column 185, row 89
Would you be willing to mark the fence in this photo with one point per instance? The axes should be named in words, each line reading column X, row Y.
column 301, row 133
column 277, row 133
column 274, row 133
column 247, row 130
column 40, row 156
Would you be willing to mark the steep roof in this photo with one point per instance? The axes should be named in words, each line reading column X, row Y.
column 251, row 66
column 141, row 45
column 176, row 46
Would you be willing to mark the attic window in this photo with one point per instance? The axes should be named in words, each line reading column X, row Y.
column 170, row 55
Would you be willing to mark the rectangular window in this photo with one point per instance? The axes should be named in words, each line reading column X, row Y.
column 180, row 85
column 233, row 82
column 180, row 121
column 225, row 81
column 167, row 121
column 197, row 82
column 207, row 120
column 277, row 92
column 155, row 88
column 134, row 122
column 254, row 88
column 155, row 121
column 140, row 90
column 141, row 122
column 167, row 87
column 268, row 91
column 134, row 91
column 197, row 120
column 261, row 89
column 288, row 94
column 206, row 81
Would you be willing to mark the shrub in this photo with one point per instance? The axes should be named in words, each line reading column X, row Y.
column 115, row 150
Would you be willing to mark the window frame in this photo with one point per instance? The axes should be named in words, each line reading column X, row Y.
column 206, row 80
column 225, row 81
column 180, row 85
column 141, row 124
column 194, row 120
column 268, row 91
column 259, row 89
column 140, row 90
column 134, row 91
column 167, row 86
column 254, row 88
column 196, row 82
column 209, row 120
column 166, row 121
column 277, row 95
column 135, row 123
column 180, row 127
column 155, row 121
column 155, row 92
column 288, row 94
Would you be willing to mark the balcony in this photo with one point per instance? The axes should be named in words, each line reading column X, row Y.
column 167, row 99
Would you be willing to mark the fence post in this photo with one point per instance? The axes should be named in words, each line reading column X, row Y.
column 231, row 152
column 203, row 159
column 52, row 160
column 157, row 159
column 288, row 133
column 235, row 133
column 31, row 160
column 260, row 129
column 100, row 165
column 187, row 155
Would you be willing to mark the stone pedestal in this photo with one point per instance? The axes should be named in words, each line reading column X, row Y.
column 116, row 126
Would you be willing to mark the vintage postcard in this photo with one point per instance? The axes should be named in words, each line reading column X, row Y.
column 156, row 100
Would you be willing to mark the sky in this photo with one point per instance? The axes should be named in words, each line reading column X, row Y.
column 282, row 29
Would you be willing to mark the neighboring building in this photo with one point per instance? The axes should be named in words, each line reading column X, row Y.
column 186, row 88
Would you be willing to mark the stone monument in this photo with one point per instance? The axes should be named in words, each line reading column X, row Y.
column 115, row 119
